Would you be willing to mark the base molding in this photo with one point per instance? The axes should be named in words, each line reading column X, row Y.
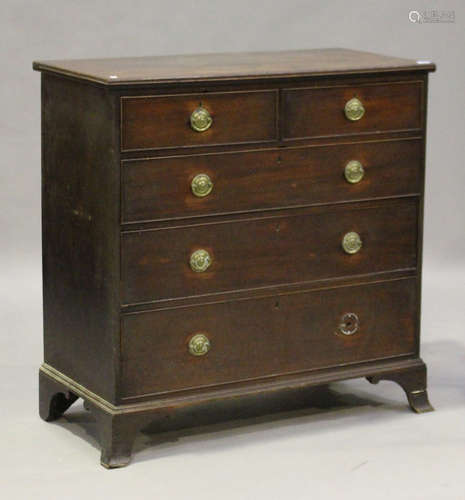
column 119, row 424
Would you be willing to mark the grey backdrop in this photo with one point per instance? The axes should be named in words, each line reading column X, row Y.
column 372, row 441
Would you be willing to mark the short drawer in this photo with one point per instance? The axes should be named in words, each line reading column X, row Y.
column 319, row 112
column 172, row 350
column 245, row 253
column 174, row 187
column 198, row 119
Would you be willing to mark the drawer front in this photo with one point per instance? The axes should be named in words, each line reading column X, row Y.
column 275, row 250
column 256, row 338
column 164, row 188
column 165, row 121
column 320, row 112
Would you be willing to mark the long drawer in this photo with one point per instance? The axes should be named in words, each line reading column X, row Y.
column 250, row 339
column 173, row 187
column 292, row 247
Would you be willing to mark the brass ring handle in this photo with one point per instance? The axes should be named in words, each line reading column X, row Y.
column 201, row 185
column 349, row 324
column 351, row 243
column 200, row 261
column 354, row 172
column 199, row 345
column 354, row 109
column 201, row 120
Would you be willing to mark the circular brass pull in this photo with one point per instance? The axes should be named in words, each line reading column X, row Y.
column 201, row 185
column 199, row 345
column 201, row 120
column 354, row 172
column 200, row 261
column 351, row 243
column 349, row 324
column 354, row 109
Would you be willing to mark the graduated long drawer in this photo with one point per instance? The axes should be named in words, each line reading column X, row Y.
column 250, row 339
column 253, row 252
column 168, row 187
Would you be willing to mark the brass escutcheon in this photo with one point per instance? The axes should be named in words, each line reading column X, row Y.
column 200, row 261
column 349, row 324
column 351, row 243
column 201, row 185
column 201, row 120
column 354, row 109
column 354, row 171
column 199, row 345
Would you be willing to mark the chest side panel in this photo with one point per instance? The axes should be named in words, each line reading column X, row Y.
column 80, row 203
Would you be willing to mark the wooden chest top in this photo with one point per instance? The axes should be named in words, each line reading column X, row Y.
column 230, row 66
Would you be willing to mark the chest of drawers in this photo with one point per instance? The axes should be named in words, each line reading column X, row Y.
column 223, row 229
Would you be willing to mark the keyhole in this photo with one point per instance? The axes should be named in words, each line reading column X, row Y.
column 349, row 324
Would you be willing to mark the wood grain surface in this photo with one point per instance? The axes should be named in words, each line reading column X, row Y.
column 160, row 188
column 264, row 337
column 298, row 246
column 178, row 68
column 80, row 232
column 164, row 121
column 320, row 111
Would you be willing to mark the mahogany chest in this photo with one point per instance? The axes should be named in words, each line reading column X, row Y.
column 219, row 229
